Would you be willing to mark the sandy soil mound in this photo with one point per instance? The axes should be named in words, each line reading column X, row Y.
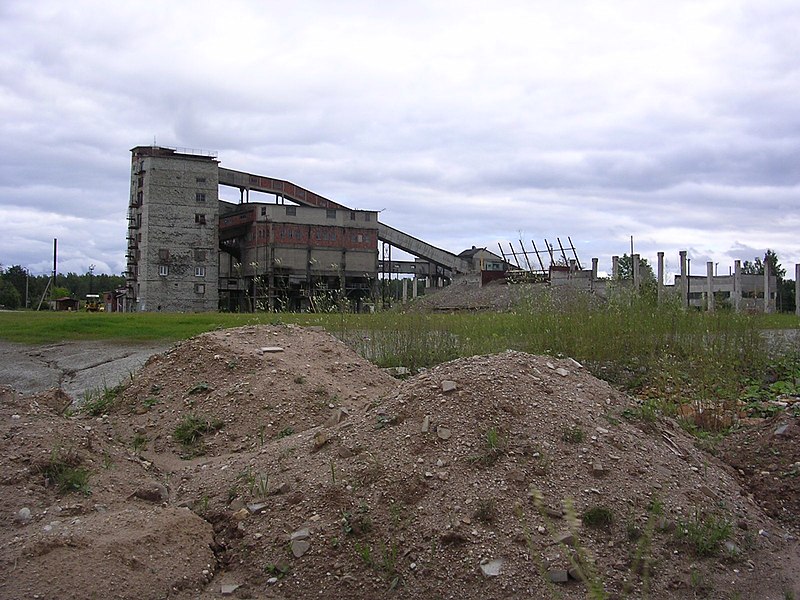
column 109, row 532
column 251, row 385
column 314, row 474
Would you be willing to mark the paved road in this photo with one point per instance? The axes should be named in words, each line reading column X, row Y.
column 75, row 367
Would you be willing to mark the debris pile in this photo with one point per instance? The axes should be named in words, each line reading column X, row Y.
column 308, row 472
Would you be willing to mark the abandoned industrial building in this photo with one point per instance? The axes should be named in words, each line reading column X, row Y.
column 189, row 250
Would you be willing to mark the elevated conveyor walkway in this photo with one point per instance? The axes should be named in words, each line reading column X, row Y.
column 304, row 197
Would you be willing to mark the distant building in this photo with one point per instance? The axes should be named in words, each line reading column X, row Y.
column 190, row 251
column 173, row 238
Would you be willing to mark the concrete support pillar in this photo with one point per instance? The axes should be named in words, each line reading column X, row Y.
column 660, row 277
column 737, row 285
column 710, row 286
column 572, row 266
column 594, row 268
column 767, row 290
column 637, row 278
column 405, row 290
column 615, row 267
column 684, row 280
column 414, row 288
column 797, row 289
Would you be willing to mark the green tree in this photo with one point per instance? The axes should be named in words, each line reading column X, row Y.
column 757, row 266
column 9, row 296
column 16, row 276
column 625, row 269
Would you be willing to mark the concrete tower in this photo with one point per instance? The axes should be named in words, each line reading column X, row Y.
column 173, row 234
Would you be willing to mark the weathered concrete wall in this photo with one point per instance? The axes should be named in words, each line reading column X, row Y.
column 178, row 252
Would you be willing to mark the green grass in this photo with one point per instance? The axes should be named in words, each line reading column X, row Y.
column 704, row 533
column 63, row 471
column 664, row 354
column 98, row 402
column 190, row 430
column 598, row 517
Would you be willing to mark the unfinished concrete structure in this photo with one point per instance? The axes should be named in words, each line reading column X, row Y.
column 190, row 251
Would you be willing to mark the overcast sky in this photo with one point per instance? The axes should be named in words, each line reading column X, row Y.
column 465, row 123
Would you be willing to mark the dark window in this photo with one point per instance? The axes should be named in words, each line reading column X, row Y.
column 199, row 255
column 139, row 198
column 366, row 217
column 141, row 181
column 291, row 211
column 352, row 216
column 330, row 213
column 163, row 254
column 200, row 179
column 200, row 218
column 263, row 211
column 199, row 288
column 200, row 196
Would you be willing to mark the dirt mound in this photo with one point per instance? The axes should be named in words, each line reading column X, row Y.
column 312, row 473
column 247, row 386
column 83, row 517
column 767, row 457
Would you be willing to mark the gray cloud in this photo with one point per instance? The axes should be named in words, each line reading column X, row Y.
column 673, row 123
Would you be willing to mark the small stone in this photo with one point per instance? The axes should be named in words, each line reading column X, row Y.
column 426, row 424
column 558, row 575
column 555, row 513
column 565, row 538
column 491, row 568
column 448, row 386
column 562, row 371
column 731, row 548
column 597, row 469
column 300, row 547
column 345, row 452
column 153, row 492
column 301, row 534
column 271, row 349
column 575, row 573
column 283, row 488
column 229, row 588
column 23, row 516
column 443, row 432
column 256, row 507
column 241, row 514
column 781, row 431
column 272, row 580
column 320, row 439
column 336, row 417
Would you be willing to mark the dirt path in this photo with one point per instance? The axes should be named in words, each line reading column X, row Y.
column 74, row 367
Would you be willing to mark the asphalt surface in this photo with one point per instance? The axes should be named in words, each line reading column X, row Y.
column 74, row 367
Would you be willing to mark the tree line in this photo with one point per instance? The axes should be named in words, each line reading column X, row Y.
column 17, row 286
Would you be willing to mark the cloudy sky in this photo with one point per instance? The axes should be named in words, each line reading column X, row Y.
column 465, row 122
